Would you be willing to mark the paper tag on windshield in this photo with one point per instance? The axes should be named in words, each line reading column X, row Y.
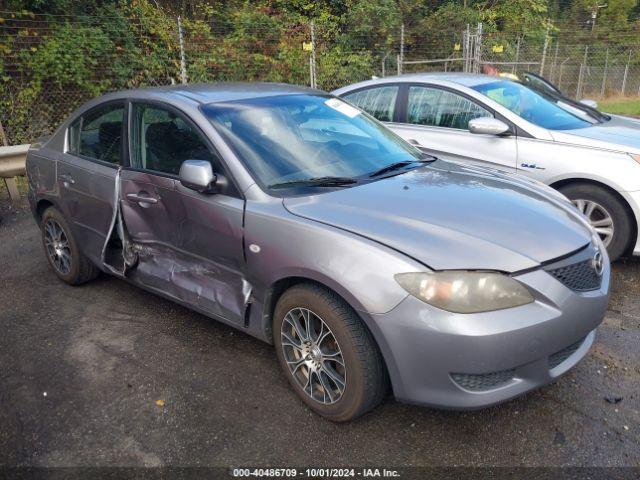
column 342, row 107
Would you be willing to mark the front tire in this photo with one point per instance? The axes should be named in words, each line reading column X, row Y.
column 606, row 213
column 67, row 261
column 327, row 354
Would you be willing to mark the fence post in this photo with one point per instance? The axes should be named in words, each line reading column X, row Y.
column 554, row 66
column 183, row 63
column 312, row 60
column 515, row 65
column 581, row 74
column 604, row 74
column 544, row 49
column 401, row 56
column 478, row 49
column 466, row 41
column 626, row 72
column 562, row 71
column 3, row 136
column 384, row 63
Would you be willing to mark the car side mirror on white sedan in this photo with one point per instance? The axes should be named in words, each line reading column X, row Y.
column 198, row 175
column 488, row 126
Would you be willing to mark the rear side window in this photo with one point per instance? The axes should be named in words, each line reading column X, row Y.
column 379, row 102
column 441, row 108
column 161, row 140
column 98, row 134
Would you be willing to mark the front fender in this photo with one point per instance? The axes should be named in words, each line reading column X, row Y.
column 282, row 245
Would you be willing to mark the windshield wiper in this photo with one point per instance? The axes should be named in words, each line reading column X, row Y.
column 316, row 182
column 398, row 165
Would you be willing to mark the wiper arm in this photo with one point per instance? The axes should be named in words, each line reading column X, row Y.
column 391, row 168
column 398, row 165
column 316, row 182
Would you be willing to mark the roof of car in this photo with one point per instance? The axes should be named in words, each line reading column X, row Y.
column 466, row 79
column 221, row 92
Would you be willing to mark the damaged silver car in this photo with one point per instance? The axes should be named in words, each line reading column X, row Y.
column 297, row 218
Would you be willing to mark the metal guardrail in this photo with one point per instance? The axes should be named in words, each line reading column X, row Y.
column 12, row 164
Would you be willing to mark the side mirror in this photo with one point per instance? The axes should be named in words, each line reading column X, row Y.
column 198, row 175
column 589, row 103
column 488, row 126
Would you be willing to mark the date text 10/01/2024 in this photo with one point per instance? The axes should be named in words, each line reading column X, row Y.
column 315, row 472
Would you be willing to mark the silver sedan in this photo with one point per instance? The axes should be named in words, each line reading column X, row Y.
column 292, row 216
column 590, row 157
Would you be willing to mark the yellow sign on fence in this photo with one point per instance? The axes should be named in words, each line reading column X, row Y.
column 307, row 47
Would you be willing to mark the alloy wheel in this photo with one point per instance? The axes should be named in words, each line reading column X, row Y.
column 57, row 245
column 599, row 218
column 313, row 356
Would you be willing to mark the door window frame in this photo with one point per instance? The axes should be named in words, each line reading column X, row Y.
column 234, row 192
column 124, row 150
column 514, row 129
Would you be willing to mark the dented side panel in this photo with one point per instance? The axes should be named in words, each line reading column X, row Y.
column 187, row 245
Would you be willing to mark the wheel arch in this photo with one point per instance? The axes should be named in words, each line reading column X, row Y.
column 633, row 213
column 41, row 206
column 282, row 284
column 277, row 288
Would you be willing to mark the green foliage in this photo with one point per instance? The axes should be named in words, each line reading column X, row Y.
column 76, row 49
column 67, row 57
column 515, row 15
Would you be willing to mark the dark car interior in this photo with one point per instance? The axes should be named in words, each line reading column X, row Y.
column 103, row 143
column 167, row 146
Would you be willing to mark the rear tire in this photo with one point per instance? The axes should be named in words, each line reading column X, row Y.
column 67, row 261
column 363, row 372
column 597, row 203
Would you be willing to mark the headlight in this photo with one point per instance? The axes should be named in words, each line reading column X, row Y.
column 635, row 157
column 465, row 292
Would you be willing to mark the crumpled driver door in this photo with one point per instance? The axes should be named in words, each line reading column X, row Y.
column 187, row 245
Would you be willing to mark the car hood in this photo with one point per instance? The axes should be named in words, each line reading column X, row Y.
column 450, row 216
column 619, row 133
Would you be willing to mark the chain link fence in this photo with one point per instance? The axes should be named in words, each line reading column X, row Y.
column 52, row 64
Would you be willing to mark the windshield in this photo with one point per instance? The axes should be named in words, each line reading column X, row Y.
column 289, row 138
column 531, row 105
column 576, row 108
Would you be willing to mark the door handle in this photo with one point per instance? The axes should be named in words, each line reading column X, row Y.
column 66, row 179
column 143, row 199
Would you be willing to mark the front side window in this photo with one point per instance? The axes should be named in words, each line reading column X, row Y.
column 293, row 138
column 98, row 134
column 531, row 106
column 440, row 108
column 161, row 140
column 379, row 102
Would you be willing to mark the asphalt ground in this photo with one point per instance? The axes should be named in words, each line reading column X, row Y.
column 109, row 375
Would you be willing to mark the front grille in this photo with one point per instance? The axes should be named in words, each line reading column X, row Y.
column 487, row 381
column 559, row 357
column 579, row 276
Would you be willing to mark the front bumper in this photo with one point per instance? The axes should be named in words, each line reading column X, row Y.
column 466, row 361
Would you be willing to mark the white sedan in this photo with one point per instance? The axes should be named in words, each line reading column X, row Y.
column 590, row 157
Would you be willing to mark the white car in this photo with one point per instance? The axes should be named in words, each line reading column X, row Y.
column 590, row 157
